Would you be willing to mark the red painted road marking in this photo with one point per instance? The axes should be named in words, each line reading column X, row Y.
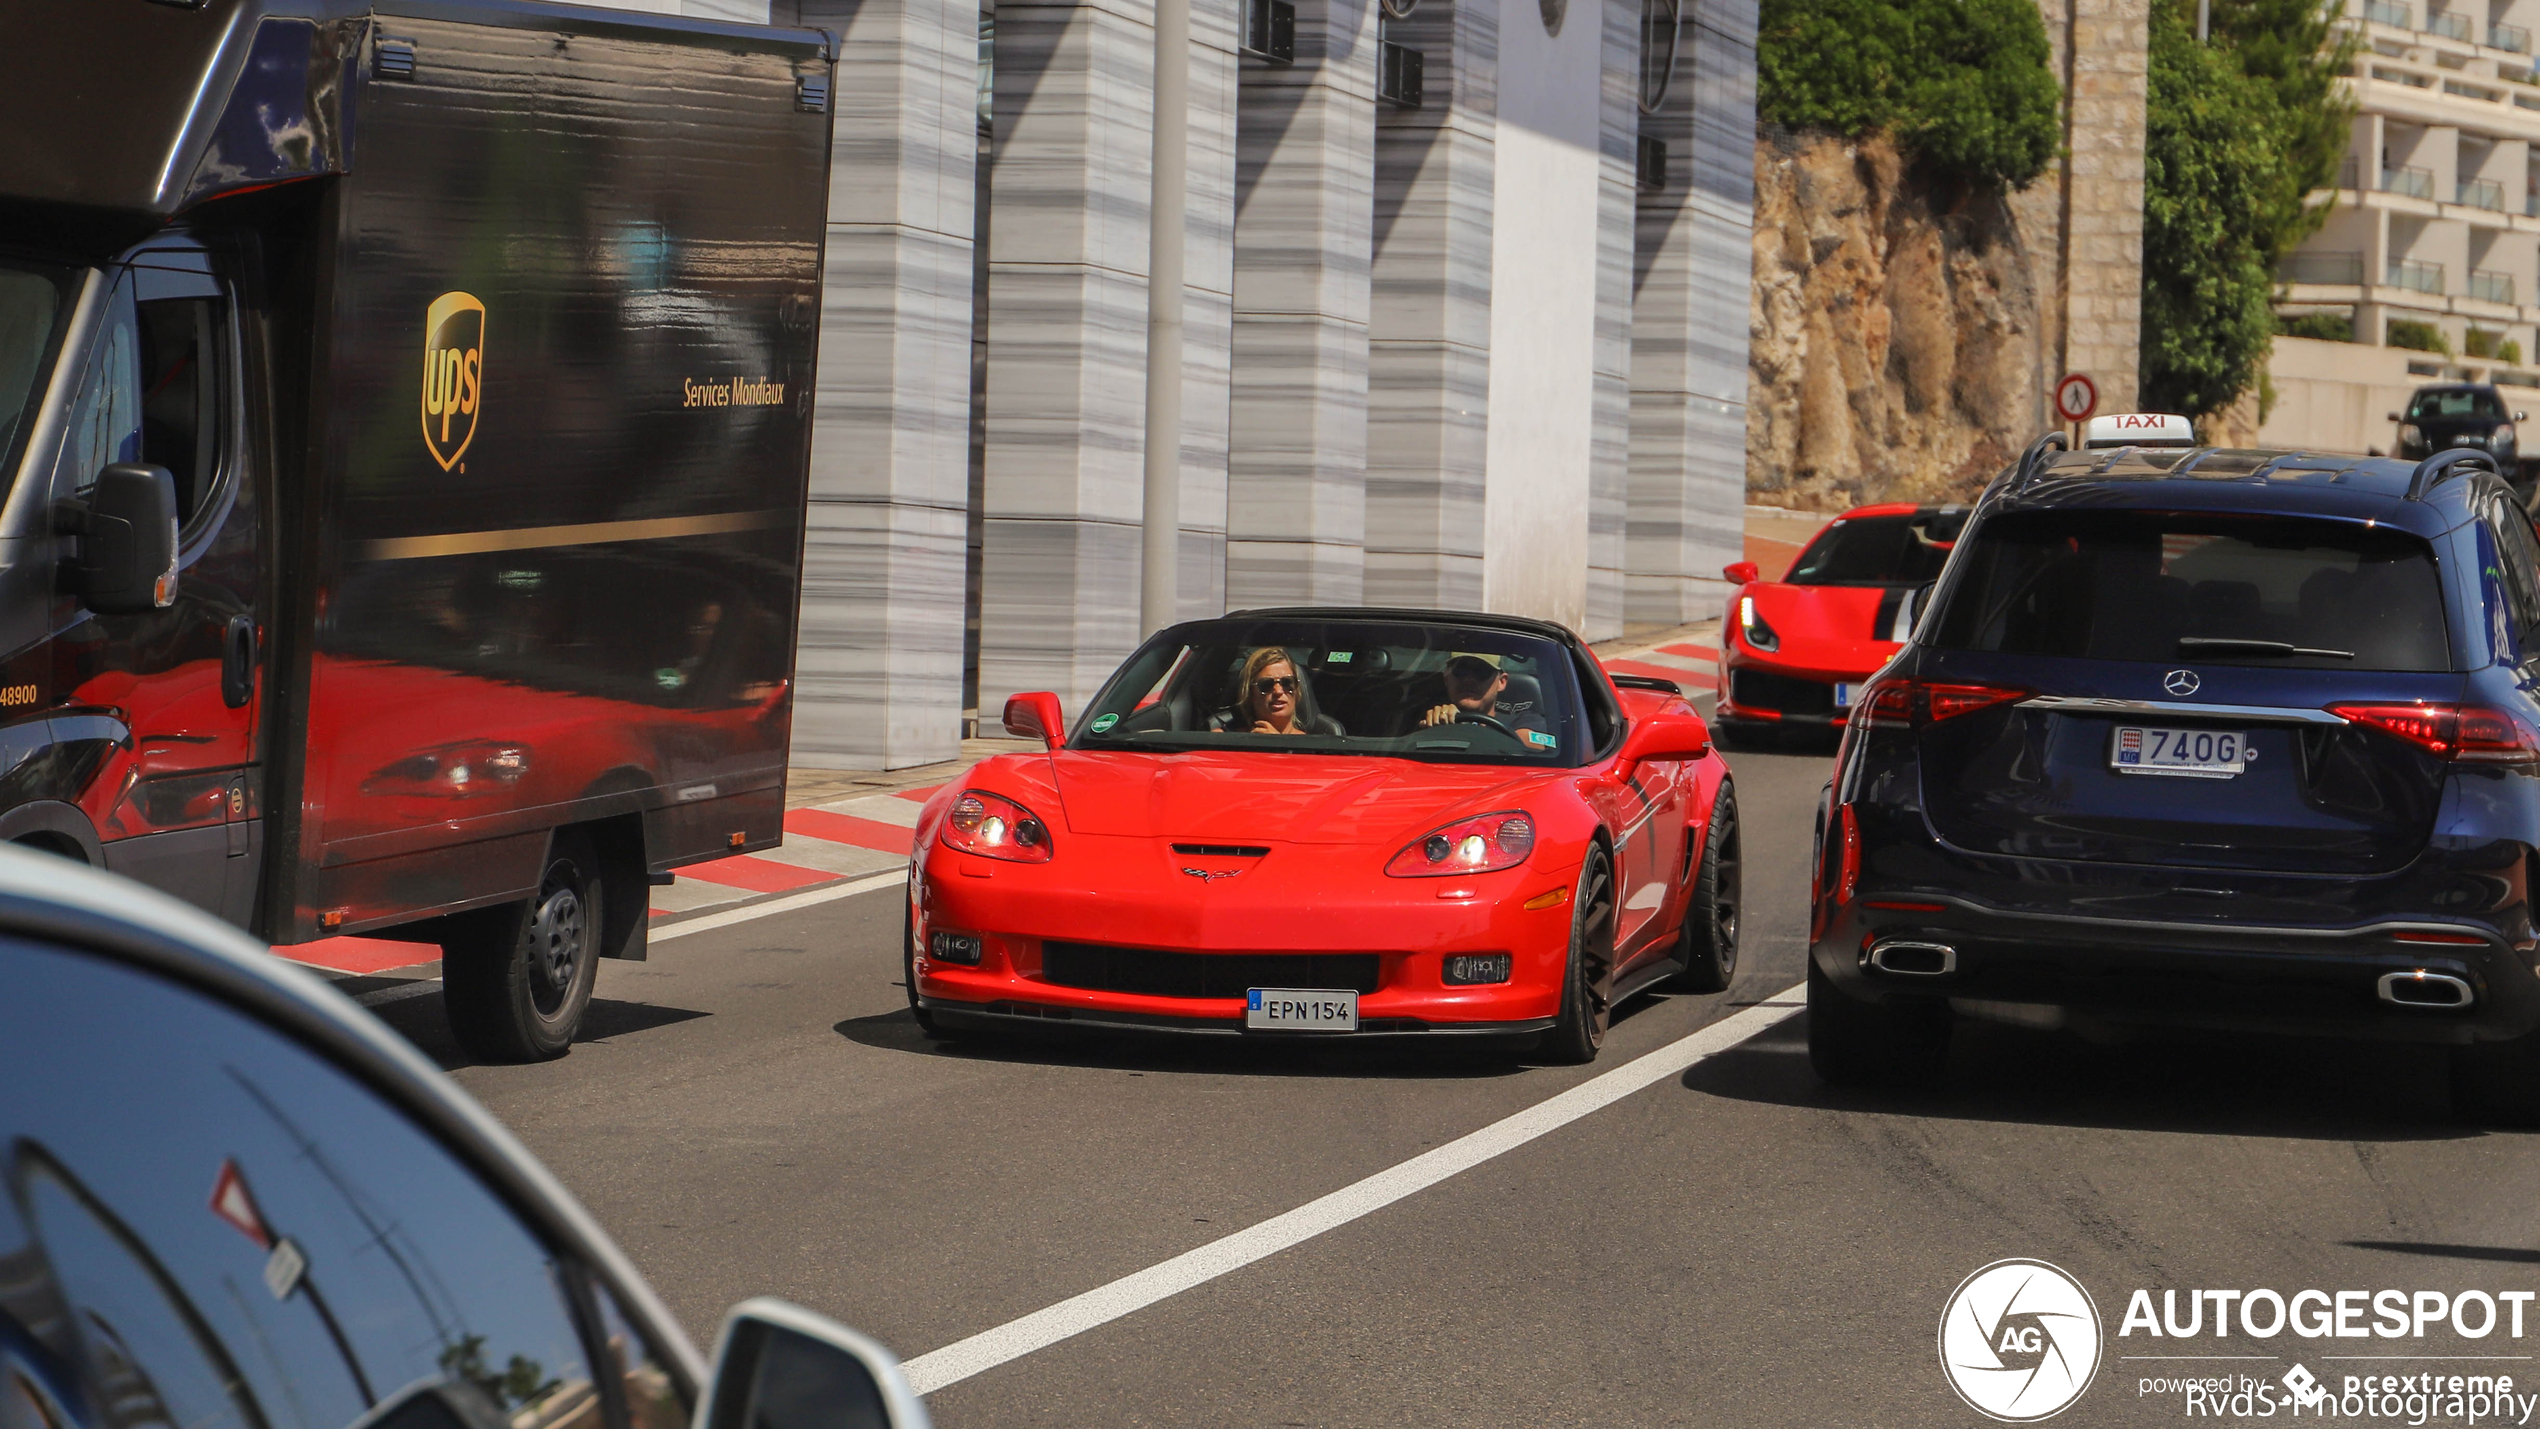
column 1690, row 652
column 848, row 829
column 1689, row 679
column 360, row 955
column 920, row 796
column 757, row 875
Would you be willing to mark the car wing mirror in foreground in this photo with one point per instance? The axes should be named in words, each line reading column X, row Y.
column 1036, row 716
column 779, row 1366
column 1742, row 572
column 1667, row 736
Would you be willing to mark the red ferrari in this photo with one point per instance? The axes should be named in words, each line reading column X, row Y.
column 1794, row 652
column 1291, row 823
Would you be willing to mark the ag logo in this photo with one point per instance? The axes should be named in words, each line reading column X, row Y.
column 453, row 375
column 2019, row 1341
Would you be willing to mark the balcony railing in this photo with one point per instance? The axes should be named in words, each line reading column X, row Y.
column 2415, row 183
column 2480, row 193
column 2509, row 37
column 2383, row 12
column 2449, row 25
column 2337, row 269
column 2415, row 276
column 2491, row 287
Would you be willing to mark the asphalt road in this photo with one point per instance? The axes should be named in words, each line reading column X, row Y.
column 1735, row 1245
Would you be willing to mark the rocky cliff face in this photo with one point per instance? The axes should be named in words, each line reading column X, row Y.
column 1896, row 329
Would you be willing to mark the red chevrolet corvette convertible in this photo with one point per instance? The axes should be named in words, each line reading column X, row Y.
column 1334, row 823
column 1794, row 652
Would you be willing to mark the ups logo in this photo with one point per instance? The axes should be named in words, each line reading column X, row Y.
column 453, row 375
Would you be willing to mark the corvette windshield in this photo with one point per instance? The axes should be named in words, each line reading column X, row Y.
column 1450, row 694
column 1879, row 550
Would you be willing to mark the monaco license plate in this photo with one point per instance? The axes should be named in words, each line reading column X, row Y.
column 2183, row 753
column 1300, row 1009
column 1843, row 696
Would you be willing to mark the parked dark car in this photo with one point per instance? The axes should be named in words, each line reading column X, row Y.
column 2461, row 414
column 229, row 1199
column 2222, row 739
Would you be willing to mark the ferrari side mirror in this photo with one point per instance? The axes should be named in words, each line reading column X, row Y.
column 1742, row 572
column 1036, row 716
column 1667, row 736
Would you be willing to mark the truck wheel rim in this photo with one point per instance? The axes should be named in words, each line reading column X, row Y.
column 556, row 943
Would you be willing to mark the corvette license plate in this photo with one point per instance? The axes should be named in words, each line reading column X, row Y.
column 1843, row 696
column 2183, row 753
column 1300, row 1009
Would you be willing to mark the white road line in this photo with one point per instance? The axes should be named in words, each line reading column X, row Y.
column 1073, row 1316
column 773, row 906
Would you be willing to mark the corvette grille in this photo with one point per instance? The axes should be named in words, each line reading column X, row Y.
column 1151, row 973
column 1764, row 690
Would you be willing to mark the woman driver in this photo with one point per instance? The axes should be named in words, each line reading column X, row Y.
column 1267, row 699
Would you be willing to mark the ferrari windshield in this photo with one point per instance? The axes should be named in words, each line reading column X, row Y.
column 33, row 304
column 1447, row 693
column 1879, row 550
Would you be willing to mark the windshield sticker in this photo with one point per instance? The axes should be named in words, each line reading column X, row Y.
column 1536, row 736
column 1103, row 724
column 1337, row 657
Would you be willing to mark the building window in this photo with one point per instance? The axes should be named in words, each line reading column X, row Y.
column 1270, row 30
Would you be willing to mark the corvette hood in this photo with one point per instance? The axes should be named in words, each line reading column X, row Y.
column 1273, row 798
column 1838, row 629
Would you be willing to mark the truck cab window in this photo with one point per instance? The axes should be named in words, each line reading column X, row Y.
column 32, row 303
column 105, row 425
column 180, row 394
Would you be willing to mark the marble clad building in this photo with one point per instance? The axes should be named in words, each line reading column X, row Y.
column 1463, row 323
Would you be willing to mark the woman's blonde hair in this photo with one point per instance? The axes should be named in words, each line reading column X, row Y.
column 1258, row 661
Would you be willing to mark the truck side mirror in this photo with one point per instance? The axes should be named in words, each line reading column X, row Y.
column 127, row 531
column 779, row 1366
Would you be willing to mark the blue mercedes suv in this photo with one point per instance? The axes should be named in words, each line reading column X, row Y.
column 2238, row 740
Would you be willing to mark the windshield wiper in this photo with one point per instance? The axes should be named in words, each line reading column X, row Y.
column 2191, row 644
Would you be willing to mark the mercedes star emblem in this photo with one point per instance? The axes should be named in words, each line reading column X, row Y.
column 2178, row 682
column 1205, row 874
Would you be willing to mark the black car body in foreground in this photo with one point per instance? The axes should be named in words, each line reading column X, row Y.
column 2242, row 740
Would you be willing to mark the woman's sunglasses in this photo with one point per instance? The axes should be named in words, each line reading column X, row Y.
column 1268, row 683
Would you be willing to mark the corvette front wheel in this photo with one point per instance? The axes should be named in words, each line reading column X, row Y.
column 908, row 972
column 1707, row 944
column 1587, row 983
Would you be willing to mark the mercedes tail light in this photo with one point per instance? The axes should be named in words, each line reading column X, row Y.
column 994, row 826
column 1484, row 843
column 2464, row 734
column 1898, row 703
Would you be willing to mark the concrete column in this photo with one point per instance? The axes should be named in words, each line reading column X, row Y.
column 1063, row 480
column 1296, row 477
column 1208, row 305
column 2107, row 65
column 878, row 671
column 1428, row 339
column 1610, row 434
column 1689, row 325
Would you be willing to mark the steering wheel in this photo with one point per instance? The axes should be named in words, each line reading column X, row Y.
column 1468, row 717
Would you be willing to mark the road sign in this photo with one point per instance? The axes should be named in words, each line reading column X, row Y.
column 231, row 1203
column 2076, row 397
column 284, row 1268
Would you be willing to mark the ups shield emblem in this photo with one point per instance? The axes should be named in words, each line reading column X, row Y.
column 453, row 375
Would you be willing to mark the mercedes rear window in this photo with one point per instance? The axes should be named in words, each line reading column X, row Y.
column 2263, row 591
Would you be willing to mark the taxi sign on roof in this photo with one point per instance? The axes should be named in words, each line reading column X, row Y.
column 2139, row 429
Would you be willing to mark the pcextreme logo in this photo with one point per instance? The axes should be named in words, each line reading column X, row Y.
column 453, row 375
column 2019, row 1341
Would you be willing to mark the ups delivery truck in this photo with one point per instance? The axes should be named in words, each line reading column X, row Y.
column 405, row 414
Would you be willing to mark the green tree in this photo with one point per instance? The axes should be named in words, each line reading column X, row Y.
column 2237, row 132
column 1963, row 85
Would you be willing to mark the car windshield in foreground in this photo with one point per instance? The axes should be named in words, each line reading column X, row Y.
column 1879, row 550
column 2448, row 404
column 2270, row 591
column 1452, row 694
column 34, row 303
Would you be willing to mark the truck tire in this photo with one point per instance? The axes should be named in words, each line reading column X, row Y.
column 515, row 980
column 1865, row 1044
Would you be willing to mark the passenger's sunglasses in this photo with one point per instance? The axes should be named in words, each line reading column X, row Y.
column 1267, row 683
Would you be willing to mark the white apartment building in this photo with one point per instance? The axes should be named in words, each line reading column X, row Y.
column 2437, row 220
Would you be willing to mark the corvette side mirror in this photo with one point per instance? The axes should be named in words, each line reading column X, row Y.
column 779, row 1366
column 1036, row 716
column 1667, row 736
column 1742, row 572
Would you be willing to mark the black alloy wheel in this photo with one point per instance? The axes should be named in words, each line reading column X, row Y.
column 517, row 979
column 1706, row 945
column 1852, row 1043
column 1587, row 984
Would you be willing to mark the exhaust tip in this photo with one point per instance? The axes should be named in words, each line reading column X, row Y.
column 2426, row 989
column 1914, row 959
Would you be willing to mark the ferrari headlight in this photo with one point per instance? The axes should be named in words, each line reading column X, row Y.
column 994, row 826
column 1752, row 626
column 1486, row 843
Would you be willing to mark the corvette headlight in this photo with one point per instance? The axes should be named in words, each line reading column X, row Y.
column 994, row 826
column 1485, row 843
column 1752, row 626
